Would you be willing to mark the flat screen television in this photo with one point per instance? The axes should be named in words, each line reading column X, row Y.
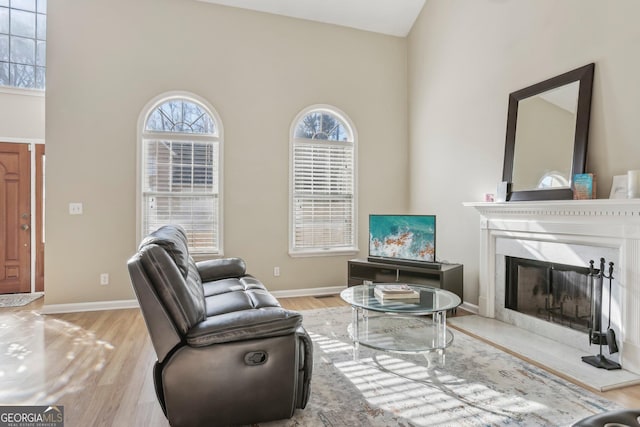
column 403, row 239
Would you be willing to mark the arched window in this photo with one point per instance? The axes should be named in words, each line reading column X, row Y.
column 181, row 141
column 322, row 183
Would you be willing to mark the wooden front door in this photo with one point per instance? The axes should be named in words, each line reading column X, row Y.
column 15, row 218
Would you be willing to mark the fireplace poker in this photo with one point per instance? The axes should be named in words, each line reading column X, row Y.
column 611, row 334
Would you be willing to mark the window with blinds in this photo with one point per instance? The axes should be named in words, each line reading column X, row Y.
column 180, row 172
column 323, row 202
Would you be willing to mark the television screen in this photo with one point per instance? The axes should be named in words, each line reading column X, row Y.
column 403, row 237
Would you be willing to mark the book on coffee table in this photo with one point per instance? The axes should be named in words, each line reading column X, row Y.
column 394, row 288
column 395, row 292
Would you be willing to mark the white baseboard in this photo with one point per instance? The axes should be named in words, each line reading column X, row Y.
column 132, row 303
column 88, row 306
column 471, row 308
column 309, row 292
column 122, row 304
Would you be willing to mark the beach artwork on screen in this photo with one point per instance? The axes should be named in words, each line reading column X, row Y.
column 410, row 237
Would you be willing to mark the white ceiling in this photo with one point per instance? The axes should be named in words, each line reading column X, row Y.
column 393, row 17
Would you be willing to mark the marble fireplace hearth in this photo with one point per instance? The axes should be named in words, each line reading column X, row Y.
column 570, row 232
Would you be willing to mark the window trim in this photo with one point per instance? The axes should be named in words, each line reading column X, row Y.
column 142, row 119
column 317, row 252
column 24, row 91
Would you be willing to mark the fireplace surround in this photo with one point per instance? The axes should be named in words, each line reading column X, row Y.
column 568, row 232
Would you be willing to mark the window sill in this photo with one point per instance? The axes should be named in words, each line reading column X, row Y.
column 203, row 256
column 10, row 90
column 323, row 252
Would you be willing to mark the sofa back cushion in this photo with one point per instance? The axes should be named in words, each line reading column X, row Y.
column 173, row 239
column 172, row 272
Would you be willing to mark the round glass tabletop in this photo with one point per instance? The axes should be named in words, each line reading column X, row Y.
column 423, row 299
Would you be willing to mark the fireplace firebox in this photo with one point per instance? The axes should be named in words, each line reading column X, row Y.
column 557, row 293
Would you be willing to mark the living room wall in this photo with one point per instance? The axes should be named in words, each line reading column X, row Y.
column 465, row 57
column 22, row 113
column 108, row 58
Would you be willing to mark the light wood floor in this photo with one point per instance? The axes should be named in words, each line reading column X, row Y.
column 98, row 364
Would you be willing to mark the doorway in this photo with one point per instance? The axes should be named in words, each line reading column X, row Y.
column 21, row 220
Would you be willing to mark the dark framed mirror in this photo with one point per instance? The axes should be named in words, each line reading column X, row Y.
column 547, row 135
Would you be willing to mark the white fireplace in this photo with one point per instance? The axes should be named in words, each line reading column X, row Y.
column 568, row 232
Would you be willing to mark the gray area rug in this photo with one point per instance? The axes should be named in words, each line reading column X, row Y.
column 17, row 300
column 477, row 385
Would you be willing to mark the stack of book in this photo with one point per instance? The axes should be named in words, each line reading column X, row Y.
column 395, row 292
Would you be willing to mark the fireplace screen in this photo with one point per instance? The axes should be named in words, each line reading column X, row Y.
column 556, row 293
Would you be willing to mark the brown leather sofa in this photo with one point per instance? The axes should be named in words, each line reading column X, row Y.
column 228, row 353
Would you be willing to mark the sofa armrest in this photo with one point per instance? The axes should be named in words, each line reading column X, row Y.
column 244, row 325
column 224, row 268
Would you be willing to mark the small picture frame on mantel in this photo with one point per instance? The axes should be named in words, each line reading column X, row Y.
column 619, row 187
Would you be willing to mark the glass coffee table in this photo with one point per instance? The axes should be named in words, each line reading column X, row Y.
column 403, row 326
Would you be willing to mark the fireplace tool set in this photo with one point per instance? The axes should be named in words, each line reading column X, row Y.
column 596, row 335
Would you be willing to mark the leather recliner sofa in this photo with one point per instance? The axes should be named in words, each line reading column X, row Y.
column 227, row 352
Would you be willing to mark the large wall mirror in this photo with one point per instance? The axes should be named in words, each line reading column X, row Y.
column 547, row 134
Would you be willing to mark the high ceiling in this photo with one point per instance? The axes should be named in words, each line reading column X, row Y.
column 393, row 17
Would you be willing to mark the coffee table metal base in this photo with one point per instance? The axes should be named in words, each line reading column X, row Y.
column 400, row 333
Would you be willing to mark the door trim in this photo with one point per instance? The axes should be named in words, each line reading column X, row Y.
column 37, row 217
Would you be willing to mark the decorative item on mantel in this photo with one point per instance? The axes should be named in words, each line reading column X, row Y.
column 503, row 190
column 633, row 184
column 584, row 186
column 626, row 186
column 618, row 187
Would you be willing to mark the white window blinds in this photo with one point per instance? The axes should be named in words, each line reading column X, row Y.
column 180, row 174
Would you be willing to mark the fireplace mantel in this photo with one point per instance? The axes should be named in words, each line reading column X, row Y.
column 613, row 224
column 627, row 209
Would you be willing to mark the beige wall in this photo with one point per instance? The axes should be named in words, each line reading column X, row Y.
column 22, row 113
column 108, row 58
column 465, row 57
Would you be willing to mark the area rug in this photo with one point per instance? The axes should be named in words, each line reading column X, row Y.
column 475, row 385
column 17, row 300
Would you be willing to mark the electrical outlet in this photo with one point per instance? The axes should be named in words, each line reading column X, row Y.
column 104, row 279
column 276, row 271
column 75, row 208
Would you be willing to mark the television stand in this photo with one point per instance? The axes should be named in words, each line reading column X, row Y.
column 447, row 276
